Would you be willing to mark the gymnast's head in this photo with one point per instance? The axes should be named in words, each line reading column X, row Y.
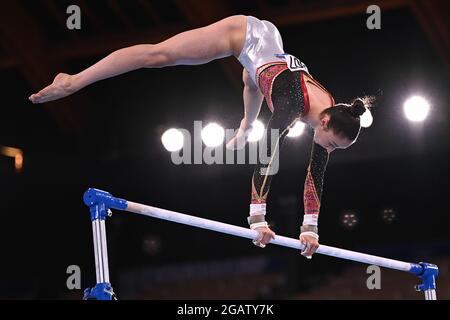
column 340, row 124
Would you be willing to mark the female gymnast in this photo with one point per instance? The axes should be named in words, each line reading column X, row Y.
column 291, row 93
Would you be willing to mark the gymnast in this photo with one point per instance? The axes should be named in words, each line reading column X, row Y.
column 269, row 73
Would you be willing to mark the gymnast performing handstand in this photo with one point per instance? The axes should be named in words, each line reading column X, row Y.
column 291, row 93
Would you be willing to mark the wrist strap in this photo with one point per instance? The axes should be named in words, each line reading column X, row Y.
column 310, row 219
column 253, row 226
column 255, row 219
column 306, row 228
column 257, row 209
column 257, row 216
column 311, row 234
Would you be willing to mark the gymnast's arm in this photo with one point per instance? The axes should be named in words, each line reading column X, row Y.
column 253, row 99
column 312, row 196
column 118, row 62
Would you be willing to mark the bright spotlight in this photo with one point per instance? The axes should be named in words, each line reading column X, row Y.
column 416, row 109
column 366, row 119
column 213, row 135
column 172, row 140
column 257, row 131
column 296, row 130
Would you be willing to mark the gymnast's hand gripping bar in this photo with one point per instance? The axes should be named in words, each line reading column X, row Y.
column 100, row 203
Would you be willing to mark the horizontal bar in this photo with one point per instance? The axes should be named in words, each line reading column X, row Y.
column 279, row 240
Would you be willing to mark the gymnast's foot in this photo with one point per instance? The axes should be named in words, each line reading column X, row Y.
column 62, row 86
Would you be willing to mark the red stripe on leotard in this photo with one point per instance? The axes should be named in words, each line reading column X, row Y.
column 305, row 89
column 266, row 75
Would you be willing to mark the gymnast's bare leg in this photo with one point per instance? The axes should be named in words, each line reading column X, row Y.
column 199, row 46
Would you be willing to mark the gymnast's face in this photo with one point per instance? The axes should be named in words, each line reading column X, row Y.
column 327, row 138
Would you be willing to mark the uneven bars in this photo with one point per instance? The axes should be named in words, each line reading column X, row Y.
column 100, row 203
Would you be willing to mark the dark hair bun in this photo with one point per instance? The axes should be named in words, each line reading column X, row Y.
column 357, row 108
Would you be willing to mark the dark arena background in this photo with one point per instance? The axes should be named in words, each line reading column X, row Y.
column 387, row 195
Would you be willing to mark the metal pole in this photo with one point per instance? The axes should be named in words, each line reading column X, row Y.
column 98, row 276
column 430, row 294
column 104, row 247
column 100, row 251
column 102, row 290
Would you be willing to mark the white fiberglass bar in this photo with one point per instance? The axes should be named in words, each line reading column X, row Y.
column 252, row 234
